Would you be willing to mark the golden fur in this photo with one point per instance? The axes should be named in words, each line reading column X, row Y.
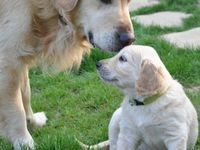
column 56, row 34
column 151, row 80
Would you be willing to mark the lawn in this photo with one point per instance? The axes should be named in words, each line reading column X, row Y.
column 78, row 104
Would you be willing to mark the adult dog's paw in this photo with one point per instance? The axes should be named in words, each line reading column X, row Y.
column 25, row 143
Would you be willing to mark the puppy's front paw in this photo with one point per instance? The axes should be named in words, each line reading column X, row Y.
column 40, row 119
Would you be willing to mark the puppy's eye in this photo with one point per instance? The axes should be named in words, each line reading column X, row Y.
column 106, row 1
column 122, row 59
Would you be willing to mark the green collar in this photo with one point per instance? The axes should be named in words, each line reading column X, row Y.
column 148, row 100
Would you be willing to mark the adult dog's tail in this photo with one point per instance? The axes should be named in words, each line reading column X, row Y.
column 100, row 146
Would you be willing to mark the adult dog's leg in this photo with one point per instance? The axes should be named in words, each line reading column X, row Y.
column 38, row 119
column 12, row 115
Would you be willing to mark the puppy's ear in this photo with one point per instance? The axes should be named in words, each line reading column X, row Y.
column 151, row 79
column 67, row 5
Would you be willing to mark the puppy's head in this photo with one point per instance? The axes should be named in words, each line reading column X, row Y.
column 137, row 70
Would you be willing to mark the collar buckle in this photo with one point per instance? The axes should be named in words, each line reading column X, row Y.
column 135, row 102
column 62, row 20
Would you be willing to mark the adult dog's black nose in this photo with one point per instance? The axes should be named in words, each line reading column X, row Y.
column 126, row 38
column 98, row 65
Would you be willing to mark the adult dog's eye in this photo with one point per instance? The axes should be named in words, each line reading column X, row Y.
column 122, row 59
column 106, row 1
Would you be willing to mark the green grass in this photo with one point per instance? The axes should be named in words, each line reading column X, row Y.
column 79, row 104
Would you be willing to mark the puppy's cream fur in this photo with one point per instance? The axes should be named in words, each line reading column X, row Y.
column 168, row 123
column 31, row 30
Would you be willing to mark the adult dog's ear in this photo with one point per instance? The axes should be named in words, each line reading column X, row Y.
column 67, row 5
column 151, row 79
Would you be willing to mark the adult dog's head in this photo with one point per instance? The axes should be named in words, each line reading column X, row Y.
column 137, row 70
column 106, row 23
column 66, row 29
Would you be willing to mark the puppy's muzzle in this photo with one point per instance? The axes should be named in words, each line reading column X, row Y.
column 105, row 73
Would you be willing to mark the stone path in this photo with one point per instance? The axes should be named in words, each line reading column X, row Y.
column 193, row 89
column 137, row 4
column 163, row 19
column 190, row 38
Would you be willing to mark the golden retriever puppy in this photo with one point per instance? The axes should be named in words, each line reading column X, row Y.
column 56, row 33
column 155, row 114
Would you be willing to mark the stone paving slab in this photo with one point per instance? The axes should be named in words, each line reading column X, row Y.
column 189, row 38
column 163, row 19
column 137, row 4
column 193, row 89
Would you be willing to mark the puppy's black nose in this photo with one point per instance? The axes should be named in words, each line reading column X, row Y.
column 98, row 65
column 126, row 38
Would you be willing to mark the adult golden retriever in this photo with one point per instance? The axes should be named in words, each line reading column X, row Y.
column 57, row 33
